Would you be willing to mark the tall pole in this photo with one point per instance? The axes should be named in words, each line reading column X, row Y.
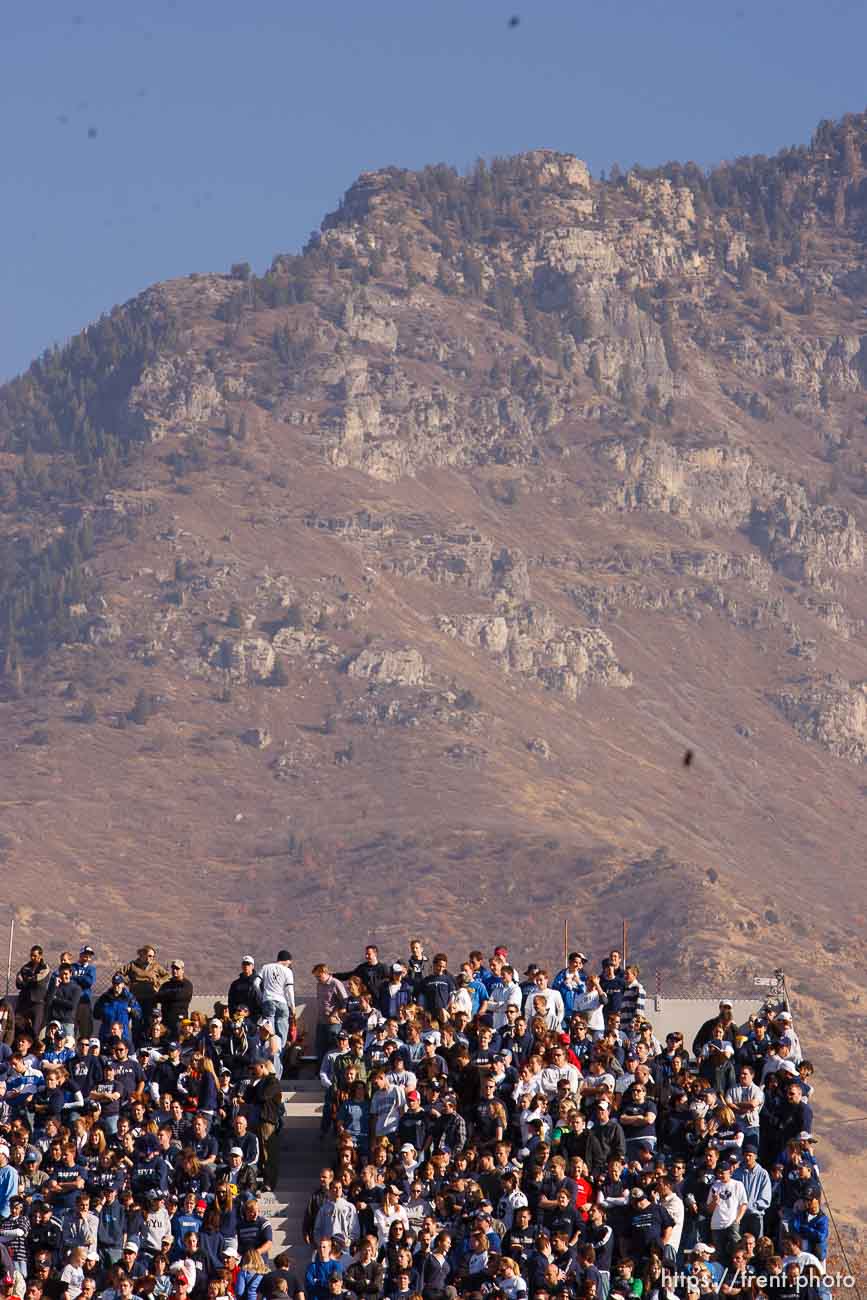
column 565, row 942
column 624, row 940
column 9, row 963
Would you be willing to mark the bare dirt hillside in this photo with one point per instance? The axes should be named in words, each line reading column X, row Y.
column 384, row 592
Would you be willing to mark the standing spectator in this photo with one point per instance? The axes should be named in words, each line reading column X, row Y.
column 634, row 997
column 145, row 977
column 264, row 1097
column 757, row 1185
column 245, row 989
column 416, row 964
column 727, row 1205
column 8, row 1182
column 116, row 1006
column 571, row 981
column 330, row 997
column 591, row 1005
column 725, row 1019
column 436, row 989
column 62, row 1002
column 277, row 989
column 175, row 996
column 504, row 994
column 371, row 971
column 746, row 1100
column 84, row 974
column 336, row 1217
column 32, row 985
column 547, row 999
column 810, row 1224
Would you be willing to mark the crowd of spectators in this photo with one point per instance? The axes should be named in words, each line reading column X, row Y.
column 490, row 1133
column 138, row 1137
column 513, row 1134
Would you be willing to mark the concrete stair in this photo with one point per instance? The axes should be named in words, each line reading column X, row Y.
column 301, row 1158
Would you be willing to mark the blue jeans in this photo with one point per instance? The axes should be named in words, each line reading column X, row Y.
column 278, row 1014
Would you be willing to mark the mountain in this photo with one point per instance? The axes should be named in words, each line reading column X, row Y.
column 386, row 591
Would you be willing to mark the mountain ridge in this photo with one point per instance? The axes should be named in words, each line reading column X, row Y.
column 421, row 559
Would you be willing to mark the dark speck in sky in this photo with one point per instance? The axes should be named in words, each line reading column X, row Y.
column 91, row 133
column 63, row 119
column 77, row 20
column 687, row 758
column 514, row 20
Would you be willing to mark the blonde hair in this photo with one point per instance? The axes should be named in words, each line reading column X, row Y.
column 253, row 1262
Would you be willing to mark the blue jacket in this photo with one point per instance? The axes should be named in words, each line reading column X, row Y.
column 568, row 994
column 813, row 1231
column 84, row 974
column 112, row 1008
column 8, row 1188
column 112, row 1226
column 317, row 1275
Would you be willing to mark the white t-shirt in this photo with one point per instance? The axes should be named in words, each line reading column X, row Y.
column 730, row 1197
column 73, row 1277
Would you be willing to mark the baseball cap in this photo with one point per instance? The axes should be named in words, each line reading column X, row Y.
column 284, row 955
column 726, row 1002
column 173, row 1047
column 412, row 1095
column 236, row 1151
column 87, row 948
column 131, row 1246
column 93, row 1042
column 804, row 1136
column 407, row 1146
column 787, row 1067
column 396, row 966
column 501, row 951
column 118, row 978
column 218, row 1023
column 252, row 962
column 231, row 1251
column 531, row 969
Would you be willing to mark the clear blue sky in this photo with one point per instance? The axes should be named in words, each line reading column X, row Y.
column 224, row 130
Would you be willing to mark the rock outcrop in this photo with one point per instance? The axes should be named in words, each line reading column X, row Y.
column 389, row 666
column 528, row 641
column 173, row 395
column 831, row 711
